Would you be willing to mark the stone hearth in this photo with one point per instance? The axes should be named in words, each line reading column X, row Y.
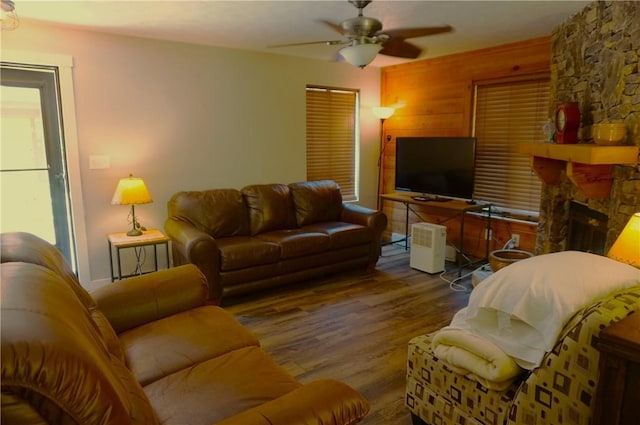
column 595, row 58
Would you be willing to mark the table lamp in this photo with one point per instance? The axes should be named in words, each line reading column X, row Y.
column 132, row 191
column 626, row 248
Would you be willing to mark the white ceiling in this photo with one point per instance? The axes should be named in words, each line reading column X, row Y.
column 255, row 25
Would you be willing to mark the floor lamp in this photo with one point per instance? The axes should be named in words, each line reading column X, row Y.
column 382, row 113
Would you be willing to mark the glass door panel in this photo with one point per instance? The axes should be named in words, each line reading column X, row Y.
column 34, row 195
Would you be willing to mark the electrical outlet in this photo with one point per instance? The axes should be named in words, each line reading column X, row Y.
column 516, row 240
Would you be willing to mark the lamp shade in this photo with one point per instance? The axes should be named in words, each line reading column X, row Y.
column 383, row 112
column 131, row 191
column 627, row 247
column 360, row 55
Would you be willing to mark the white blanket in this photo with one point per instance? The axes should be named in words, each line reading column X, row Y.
column 522, row 308
column 475, row 357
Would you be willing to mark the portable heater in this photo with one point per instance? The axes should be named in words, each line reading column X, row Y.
column 428, row 245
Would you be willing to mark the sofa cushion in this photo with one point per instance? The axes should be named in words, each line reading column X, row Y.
column 160, row 348
column 245, row 251
column 219, row 388
column 342, row 234
column 297, row 242
column 316, row 201
column 270, row 207
column 218, row 212
column 53, row 356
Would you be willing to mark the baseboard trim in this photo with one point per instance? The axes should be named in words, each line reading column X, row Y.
column 95, row 284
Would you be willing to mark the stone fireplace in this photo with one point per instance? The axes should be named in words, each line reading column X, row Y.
column 594, row 62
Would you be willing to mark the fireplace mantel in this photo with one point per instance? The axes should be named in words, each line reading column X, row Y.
column 588, row 166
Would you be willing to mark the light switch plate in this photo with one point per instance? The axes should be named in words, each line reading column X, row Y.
column 99, row 162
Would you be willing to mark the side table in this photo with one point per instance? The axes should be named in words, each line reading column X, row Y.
column 618, row 393
column 120, row 240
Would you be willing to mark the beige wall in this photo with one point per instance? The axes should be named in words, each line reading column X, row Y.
column 188, row 117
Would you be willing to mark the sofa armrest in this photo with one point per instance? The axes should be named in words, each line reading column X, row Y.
column 132, row 302
column 357, row 214
column 193, row 246
column 327, row 401
column 374, row 219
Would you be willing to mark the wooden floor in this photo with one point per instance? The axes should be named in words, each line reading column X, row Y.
column 354, row 327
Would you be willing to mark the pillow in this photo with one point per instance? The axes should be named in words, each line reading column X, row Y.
column 219, row 212
column 270, row 207
column 522, row 308
column 316, row 201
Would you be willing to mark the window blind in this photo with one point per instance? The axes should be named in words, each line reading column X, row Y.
column 506, row 114
column 331, row 137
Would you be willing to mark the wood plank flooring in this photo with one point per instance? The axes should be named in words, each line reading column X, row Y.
column 354, row 327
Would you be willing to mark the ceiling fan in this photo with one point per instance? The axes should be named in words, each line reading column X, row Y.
column 365, row 38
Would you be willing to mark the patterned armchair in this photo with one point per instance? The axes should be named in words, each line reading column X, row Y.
column 560, row 391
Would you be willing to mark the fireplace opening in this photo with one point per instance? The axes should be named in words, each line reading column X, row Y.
column 587, row 229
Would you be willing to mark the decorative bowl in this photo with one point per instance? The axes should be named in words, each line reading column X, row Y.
column 503, row 257
column 608, row 134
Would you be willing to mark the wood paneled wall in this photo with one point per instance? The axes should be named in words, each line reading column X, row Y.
column 434, row 97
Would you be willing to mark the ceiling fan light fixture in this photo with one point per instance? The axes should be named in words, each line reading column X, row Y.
column 360, row 55
column 8, row 16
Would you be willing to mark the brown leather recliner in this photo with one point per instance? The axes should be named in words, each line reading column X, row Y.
column 272, row 234
column 145, row 350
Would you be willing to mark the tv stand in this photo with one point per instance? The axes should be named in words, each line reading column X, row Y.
column 454, row 208
column 427, row 198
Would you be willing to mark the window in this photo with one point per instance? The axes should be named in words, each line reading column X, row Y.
column 506, row 114
column 332, row 137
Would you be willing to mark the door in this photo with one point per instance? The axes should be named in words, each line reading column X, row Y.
column 34, row 190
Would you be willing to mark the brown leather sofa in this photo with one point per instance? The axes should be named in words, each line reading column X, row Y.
column 268, row 235
column 145, row 350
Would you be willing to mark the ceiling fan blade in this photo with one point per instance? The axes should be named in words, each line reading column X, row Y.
column 326, row 42
column 400, row 49
column 336, row 27
column 404, row 33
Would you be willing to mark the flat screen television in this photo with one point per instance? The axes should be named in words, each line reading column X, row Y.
column 438, row 168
